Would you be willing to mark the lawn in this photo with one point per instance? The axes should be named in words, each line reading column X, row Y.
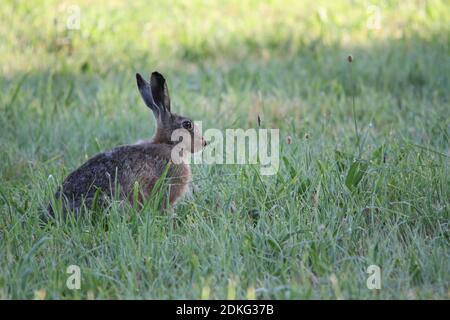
column 364, row 175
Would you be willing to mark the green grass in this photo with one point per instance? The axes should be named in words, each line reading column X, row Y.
column 340, row 202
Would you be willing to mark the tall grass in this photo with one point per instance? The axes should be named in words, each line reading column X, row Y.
column 338, row 204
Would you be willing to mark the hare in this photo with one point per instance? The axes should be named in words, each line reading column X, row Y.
column 142, row 163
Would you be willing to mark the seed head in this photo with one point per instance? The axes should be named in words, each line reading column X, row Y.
column 288, row 139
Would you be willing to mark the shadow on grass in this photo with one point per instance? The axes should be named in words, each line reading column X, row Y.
column 56, row 109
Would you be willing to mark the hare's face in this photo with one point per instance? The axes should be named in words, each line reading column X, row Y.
column 171, row 128
column 187, row 133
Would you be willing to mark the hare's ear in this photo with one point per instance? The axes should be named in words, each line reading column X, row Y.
column 160, row 91
column 146, row 94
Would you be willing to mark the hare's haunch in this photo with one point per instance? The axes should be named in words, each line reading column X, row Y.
column 142, row 164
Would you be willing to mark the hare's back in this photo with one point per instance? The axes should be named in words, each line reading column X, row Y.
column 105, row 168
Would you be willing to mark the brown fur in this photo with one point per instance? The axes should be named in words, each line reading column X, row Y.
column 141, row 163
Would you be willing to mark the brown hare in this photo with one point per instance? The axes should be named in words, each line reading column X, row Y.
column 118, row 171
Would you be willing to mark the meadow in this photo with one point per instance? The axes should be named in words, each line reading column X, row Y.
column 364, row 174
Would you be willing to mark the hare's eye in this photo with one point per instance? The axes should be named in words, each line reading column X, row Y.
column 187, row 125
